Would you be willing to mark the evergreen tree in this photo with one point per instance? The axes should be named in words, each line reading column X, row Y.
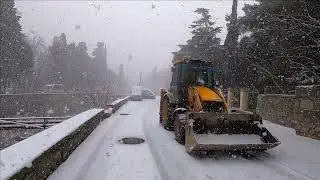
column 283, row 46
column 231, row 40
column 59, row 56
column 40, row 61
column 204, row 43
column 100, row 56
column 229, row 76
column 100, row 62
column 204, row 36
column 78, row 67
column 15, row 54
column 83, row 64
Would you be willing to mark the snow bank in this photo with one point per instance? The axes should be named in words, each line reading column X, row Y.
column 116, row 102
column 22, row 154
column 108, row 111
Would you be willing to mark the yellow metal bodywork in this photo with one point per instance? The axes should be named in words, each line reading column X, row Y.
column 207, row 94
column 194, row 101
column 175, row 62
column 198, row 94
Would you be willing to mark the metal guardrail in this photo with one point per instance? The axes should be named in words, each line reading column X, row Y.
column 31, row 122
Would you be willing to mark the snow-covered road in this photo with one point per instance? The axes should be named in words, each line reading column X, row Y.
column 102, row 157
column 297, row 158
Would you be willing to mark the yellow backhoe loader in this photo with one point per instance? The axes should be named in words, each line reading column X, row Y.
column 195, row 109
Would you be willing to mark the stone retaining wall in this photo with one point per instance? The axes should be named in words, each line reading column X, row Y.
column 47, row 162
column 24, row 161
column 300, row 111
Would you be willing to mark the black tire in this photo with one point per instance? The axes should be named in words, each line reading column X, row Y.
column 261, row 150
column 179, row 130
column 167, row 113
column 160, row 112
column 160, row 118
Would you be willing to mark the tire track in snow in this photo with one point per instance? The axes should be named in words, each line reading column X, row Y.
column 172, row 162
column 125, row 161
column 93, row 155
column 159, row 164
column 263, row 157
column 168, row 163
column 164, row 172
column 82, row 157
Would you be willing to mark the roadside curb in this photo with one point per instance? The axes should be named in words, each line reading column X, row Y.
column 41, row 154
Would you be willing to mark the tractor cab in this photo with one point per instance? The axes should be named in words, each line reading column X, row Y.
column 191, row 73
column 194, row 72
column 197, row 75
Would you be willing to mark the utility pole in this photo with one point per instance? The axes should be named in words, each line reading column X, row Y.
column 106, row 55
column 140, row 79
column 127, row 67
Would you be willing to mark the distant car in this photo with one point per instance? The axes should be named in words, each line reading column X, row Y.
column 148, row 94
column 136, row 93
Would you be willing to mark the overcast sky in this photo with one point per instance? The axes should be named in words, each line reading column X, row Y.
column 149, row 30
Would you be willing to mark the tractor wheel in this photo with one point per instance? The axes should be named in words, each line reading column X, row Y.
column 179, row 130
column 160, row 118
column 166, row 115
column 160, row 115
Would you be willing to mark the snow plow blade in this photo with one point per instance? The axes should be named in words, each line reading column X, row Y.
column 228, row 132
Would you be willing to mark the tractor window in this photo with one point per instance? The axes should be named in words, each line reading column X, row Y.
column 198, row 75
column 211, row 78
column 189, row 75
column 202, row 77
column 175, row 75
column 205, row 76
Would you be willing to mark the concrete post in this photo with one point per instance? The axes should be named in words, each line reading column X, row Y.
column 230, row 97
column 244, row 99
